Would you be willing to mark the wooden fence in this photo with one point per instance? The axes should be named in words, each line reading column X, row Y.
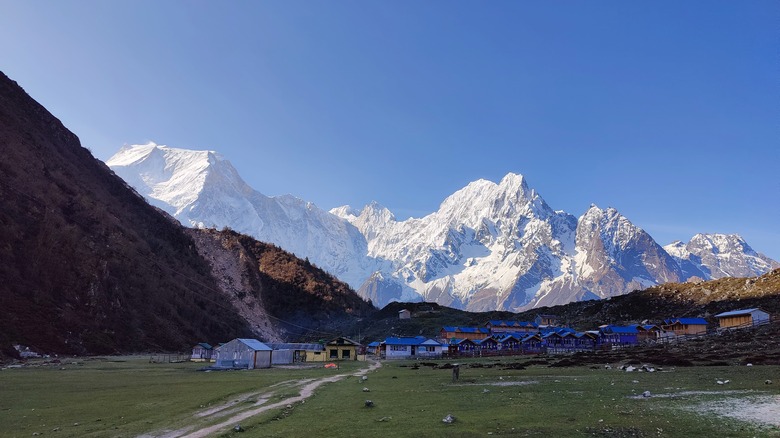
column 169, row 358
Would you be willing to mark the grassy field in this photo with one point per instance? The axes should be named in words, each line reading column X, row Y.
column 122, row 397
column 129, row 397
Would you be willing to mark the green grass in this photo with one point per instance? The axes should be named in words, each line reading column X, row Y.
column 564, row 402
column 122, row 397
column 128, row 397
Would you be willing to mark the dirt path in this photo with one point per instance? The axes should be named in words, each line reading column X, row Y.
column 235, row 414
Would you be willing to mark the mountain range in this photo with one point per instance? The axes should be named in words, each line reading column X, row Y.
column 489, row 246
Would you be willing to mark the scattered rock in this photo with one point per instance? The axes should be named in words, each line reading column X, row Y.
column 369, row 404
column 630, row 368
column 449, row 419
column 767, row 382
column 646, row 394
column 607, row 367
column 383, row 419
column 749, row 365
column 289, row 406
column 238, row 428
column 485, row 391
column 366, row 389
column 364, row 378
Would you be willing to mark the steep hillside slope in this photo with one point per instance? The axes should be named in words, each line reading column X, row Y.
column 86, row 265
column 282, row 296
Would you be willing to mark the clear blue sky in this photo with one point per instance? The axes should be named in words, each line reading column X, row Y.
column 668, row 111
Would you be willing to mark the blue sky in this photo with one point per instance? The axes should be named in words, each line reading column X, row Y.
column 668, row 111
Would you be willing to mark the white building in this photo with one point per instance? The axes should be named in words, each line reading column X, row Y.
column 244, row 353
column 410, row 348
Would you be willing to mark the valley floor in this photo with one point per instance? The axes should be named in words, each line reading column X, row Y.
column 130, row 397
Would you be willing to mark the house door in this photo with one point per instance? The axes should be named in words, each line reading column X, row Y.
column 414, row 350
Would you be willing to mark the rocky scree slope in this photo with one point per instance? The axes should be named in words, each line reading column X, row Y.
column 280, row 295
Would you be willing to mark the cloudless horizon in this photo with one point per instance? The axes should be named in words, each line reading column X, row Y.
column 667, row 111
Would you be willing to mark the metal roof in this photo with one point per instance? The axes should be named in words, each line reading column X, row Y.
column 620, row 329
column 502, row 323
column 417, row 340
column 738, row 312
column 559, row 330
column 457, row 341
column 449, row 328
column 205, row 345
column 296, row 346
column 254, row 344
column 688, row 321
column 341, row 340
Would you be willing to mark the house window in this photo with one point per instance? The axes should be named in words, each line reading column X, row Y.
column 345, row 354
column 397, row 348
column 334, row 354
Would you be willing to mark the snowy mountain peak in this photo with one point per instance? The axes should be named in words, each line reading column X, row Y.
column 676, row 249
column 722, row 243
column 504, row 202
column 345, row 212
column 377, row 210
column 713, row 256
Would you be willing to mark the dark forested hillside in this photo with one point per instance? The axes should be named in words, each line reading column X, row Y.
column 86, row 265
column 303, row 301
column 700, row 299
column 692, row 299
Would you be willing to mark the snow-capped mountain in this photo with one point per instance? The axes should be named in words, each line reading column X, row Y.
column 713, row 256
column 201, row 189
column 488, row 246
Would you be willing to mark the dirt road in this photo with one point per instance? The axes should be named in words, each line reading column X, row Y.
column 235, row 411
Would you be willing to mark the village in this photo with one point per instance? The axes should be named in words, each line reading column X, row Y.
column 544, row 335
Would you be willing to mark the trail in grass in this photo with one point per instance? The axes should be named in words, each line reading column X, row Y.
column 237, row 413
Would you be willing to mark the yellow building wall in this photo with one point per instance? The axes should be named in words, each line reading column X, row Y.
column 341, row 348
column 459, row 335
column 690, row 329
column 735, row 321
column 315, row 356
column 324, row 356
